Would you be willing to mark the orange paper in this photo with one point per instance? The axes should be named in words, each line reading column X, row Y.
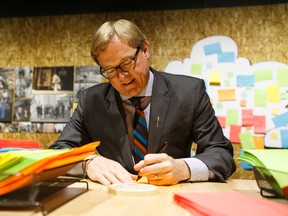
column 226, row 94
column 32, row 173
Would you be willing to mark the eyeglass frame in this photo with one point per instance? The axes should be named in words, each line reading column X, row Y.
column 134, row 58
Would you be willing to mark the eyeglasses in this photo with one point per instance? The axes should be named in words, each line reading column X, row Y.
column 127, row 65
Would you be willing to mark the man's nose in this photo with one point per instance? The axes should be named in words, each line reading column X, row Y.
column 121, row 73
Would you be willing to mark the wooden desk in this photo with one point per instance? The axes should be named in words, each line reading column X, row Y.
column 97, row 201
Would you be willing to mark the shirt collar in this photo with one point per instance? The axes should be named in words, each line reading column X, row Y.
column 147, row 91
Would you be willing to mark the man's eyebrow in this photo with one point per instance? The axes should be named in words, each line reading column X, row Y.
column 122, row 61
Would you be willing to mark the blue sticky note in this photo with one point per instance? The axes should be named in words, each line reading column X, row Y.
column 281, row 120
column 226, row 57
column 284, row 138
column 212, row 48
column 245, row 80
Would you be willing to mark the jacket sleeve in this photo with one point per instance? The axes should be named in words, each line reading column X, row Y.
column 213, row 148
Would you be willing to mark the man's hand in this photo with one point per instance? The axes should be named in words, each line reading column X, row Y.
column 161, row 169
column 107, row 171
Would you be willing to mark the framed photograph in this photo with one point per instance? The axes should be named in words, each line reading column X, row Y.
column 23, row 88
column 86, row 76
column 6, row 105
column 25, row 127
column 24, row 72
column 22, row 110
column 51, row 107
column 53, row 79
column 11, row 127
column 7, row 78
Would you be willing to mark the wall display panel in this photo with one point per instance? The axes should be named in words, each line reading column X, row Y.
column 249, row 99
column 42, row 99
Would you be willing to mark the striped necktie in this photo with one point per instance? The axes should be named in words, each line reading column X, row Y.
column 140, row 131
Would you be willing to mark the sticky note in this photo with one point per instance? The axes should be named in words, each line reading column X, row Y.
column 281, row 120
column 227, row 83
column 263, row 75
column 232, row 117
column 226, row 57
column 243, row 103
column 282, row 77
column 196, row 68
column 274, row 135
column 247, row 117
column 226, row 94
column 284, row 138
column 215, row 78
column 234, row 133
column 259, row 124
column 275, row 111
column 258, row 142
column 222, row 121
column 273, row 93
column 213, row 48
column 260, row 98
column 245, row 80
column 247, row 141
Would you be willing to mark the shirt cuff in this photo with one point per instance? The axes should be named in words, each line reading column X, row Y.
column 199, row 171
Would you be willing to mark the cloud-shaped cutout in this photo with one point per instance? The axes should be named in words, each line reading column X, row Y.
column 247, row 97
column 277, row 137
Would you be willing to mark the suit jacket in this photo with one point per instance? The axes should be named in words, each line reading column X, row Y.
column 185, row 115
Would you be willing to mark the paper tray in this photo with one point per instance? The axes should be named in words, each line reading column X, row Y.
column 268, row 185
column 29, row 179
column 45, row 191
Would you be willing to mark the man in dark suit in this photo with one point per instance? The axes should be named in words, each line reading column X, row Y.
column 177, row 110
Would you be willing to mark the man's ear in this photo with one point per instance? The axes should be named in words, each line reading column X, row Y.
column 146, row 49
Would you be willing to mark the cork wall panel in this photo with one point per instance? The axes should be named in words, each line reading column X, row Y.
column 259, row 31
column 44, row 139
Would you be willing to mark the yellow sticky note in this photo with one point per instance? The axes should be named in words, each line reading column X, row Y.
column 275, row 111
column 273, row 93
column 273, row 135
column 215, row 78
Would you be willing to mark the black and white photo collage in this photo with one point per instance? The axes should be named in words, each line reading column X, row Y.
column 42, row 99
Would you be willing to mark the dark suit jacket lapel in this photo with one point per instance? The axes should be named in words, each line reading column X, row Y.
column 158, row 113
column 116, row 114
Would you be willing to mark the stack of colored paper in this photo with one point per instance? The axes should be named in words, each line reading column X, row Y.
column 24, row 167
column 228, row 203
column 273, row 166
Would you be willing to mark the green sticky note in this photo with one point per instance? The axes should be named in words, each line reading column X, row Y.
column 219, row 105
column 260, row 98
column 226, row 83
column 230, row 74
column 263, row 75
column 196, row 68
column 282, row 78
column 232, row 117
column 283, row 96
column 246, row 140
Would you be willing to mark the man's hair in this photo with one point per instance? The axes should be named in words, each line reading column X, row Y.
column 125, row 30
